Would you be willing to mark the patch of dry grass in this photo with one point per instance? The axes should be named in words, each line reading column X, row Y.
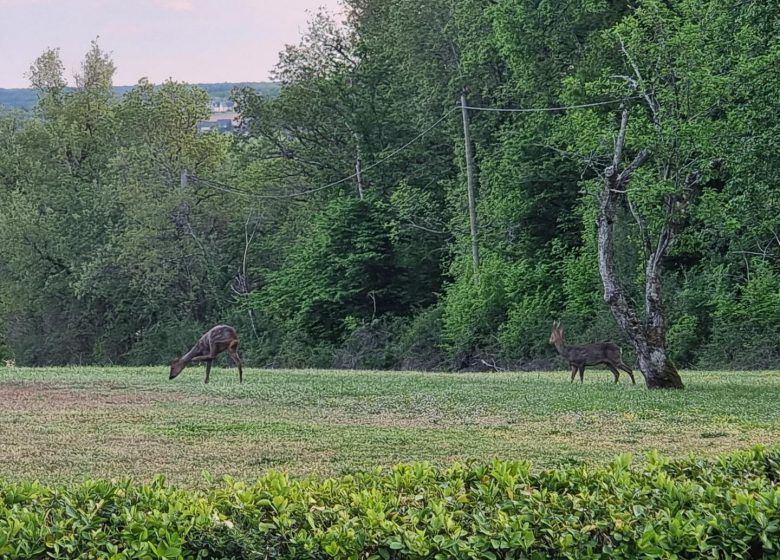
column 64, row 424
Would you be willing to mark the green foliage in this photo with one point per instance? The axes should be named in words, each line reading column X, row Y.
column 341, row 271
column 527, row 323
column 745, row 326
column 6, row 353
column 98, row 519
column 105, row 257
column 682, row 338
column 729, row 507
column 418, row 345
column 474, row 308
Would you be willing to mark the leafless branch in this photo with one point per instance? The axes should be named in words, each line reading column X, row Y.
column 491, row 364
column 628, row 79
column 619, row 142
column 640, row 222
column 423, row 228
column 635, row 164
column 647, row 95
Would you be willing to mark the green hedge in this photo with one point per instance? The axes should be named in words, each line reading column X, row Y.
column 694, row 508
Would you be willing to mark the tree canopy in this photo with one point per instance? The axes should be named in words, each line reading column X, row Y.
column 125, row 233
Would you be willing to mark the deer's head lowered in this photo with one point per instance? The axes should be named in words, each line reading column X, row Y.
column 218, row 339
column 177, row 366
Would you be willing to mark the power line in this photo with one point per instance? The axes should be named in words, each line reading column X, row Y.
column 227, row 188
column 233, row 190
column 550, row 109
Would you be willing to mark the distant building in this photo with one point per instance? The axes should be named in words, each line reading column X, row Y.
column 220, row 125
column 223, row 118
column 221, row 106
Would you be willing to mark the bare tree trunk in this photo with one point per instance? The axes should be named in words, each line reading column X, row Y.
column 647, row 336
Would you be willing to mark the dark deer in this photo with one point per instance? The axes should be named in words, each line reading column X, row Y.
column 578, row 357
column 217, row 340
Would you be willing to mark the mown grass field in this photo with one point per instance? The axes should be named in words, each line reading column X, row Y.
column 69, row 424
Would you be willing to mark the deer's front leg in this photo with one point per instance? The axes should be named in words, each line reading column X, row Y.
column 202, row 359
column 237, row 360
column 208, row 356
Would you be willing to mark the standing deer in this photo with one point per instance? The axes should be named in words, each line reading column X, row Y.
column 589, row 355
column 217, row 340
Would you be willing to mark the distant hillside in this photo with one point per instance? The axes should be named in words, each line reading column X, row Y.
column 25, row 98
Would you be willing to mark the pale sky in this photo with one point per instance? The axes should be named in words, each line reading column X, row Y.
column 187, row 40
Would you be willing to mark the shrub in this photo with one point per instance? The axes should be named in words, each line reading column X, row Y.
column 366, row 345
column 720, row 508
column 473, row 311
column 418, row 342
column 746, row 329
column 682, row 340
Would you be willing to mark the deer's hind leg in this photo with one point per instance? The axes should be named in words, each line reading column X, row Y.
column 233, row 351
column 208, row 370
column 615, row 372
column 582, row 375
column 573, row 373
column 627, row 369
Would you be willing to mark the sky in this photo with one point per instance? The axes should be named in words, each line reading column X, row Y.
column 195, row 41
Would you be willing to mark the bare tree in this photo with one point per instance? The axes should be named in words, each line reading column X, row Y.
column 646, row 332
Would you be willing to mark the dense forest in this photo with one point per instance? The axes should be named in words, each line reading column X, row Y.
column 124, row 234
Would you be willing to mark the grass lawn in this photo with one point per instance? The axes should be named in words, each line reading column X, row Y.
column 65, row 424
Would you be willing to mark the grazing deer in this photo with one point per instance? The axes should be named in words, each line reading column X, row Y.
column 589, row 355
column 217, row 340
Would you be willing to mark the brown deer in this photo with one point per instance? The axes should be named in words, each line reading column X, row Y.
column 589, row 355
column 217, row 340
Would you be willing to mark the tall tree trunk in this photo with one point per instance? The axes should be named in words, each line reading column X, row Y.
column 647, row 336
column 658, row 369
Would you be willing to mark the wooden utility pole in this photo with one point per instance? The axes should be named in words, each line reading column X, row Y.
column 470, row 184
column 358, row 167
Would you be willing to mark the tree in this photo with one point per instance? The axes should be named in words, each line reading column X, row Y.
column 107, row 255
column 106, row 258
column 46, row 73
column 97, row 71
column 674, row 139
column 648, row 335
